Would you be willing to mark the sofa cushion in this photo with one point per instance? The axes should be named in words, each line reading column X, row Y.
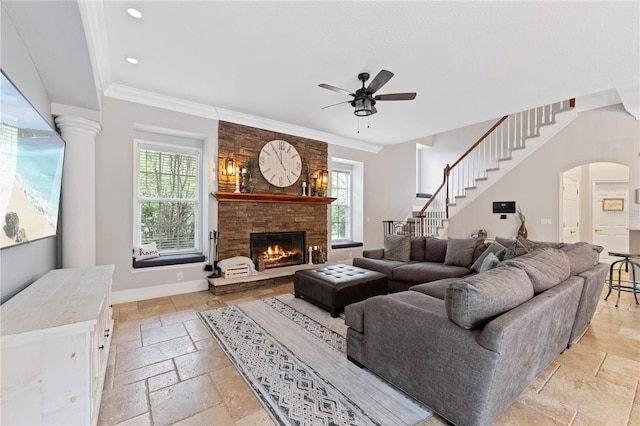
column 582, row 256
column 397, row 247
column 418, row 248
column 436, row 289
column 481, row 247
column 354, row 316
column 460, row 251
column 472, row 301
column 384, row 266
column 536, row 245
column 422, row 272
column 435, row 250
column 495, row 248
column 490, row 262
column 514, row 250
column 545, row 267
column 505, row 241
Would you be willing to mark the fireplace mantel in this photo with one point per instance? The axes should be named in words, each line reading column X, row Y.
column 271, row 198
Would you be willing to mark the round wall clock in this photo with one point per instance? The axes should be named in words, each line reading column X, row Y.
column 280, row 163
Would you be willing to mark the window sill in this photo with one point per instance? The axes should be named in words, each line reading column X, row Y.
column 345, row 244
column 171, row 259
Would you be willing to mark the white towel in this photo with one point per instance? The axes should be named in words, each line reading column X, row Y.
column 237, row 261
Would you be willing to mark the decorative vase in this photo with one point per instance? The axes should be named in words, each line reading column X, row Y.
column 522, row 231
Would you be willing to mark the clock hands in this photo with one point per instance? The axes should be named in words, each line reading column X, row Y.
column 279, row 158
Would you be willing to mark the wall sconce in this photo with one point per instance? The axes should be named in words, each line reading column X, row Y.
column 323, row 178
column 227, row 168
column 320, row 182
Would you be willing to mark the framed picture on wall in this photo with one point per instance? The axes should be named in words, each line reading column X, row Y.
column 613, row 204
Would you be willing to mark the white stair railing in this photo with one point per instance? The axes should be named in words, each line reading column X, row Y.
column 497, row 144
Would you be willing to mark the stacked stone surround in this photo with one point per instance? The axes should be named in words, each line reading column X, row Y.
column 237, row 220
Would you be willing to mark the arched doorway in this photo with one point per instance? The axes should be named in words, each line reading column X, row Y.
column 595, row 206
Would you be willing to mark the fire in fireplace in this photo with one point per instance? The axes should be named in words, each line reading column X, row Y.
column 274, row 249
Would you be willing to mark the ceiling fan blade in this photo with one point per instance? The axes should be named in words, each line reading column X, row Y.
column 335, row 89
column 339, row 103
column 396, row 97
column 381, row 79
column 373, row 110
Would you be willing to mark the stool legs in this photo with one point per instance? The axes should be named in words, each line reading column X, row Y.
column 628, row 264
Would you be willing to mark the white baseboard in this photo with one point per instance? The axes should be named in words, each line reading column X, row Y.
column 164, row 290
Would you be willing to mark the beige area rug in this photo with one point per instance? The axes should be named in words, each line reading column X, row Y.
column 293, row 356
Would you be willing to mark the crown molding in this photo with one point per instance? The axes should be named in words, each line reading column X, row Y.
column 143, row 97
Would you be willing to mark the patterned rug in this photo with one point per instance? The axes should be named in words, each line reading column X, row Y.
column 293, row 356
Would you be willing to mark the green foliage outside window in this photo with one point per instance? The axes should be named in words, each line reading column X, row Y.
column 340, row 214
column 168, row 199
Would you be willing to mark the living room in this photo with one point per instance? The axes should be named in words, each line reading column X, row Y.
column 604, row 133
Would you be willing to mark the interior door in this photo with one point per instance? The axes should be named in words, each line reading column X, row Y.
column 611, row 218
column 570, row 209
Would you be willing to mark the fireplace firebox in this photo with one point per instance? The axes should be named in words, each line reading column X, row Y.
column 275, row 249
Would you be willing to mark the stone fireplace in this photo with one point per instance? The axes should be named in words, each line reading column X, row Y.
column 275, row 249
column 268, row 209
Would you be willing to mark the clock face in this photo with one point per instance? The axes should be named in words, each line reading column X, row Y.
column 280, row 163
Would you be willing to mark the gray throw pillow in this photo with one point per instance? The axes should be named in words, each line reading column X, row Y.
column 535, row 245
column 494, row 248
column 397, row 247
column 489, row 262
column 460, row 251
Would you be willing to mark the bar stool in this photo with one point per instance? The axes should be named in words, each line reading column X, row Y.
column 628, row 263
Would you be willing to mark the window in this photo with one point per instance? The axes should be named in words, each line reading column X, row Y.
column 341, row 207
column 168, row 207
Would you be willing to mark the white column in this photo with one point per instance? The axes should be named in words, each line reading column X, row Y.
column 78, row 191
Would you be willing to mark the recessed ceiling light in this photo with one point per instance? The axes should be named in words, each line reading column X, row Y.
column 133, row 61
column 134, row 13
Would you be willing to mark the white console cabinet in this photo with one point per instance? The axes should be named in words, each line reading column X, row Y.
column 54, row 348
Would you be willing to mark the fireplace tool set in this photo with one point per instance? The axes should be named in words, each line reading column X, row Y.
column 213, row 255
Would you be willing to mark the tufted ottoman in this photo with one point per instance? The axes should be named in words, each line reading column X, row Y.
column 336, row 286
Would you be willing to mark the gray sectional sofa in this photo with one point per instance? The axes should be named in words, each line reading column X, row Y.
column 426, row 260
column 467, row 347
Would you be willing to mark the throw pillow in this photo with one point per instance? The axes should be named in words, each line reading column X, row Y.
column 146, row 251
column 436, row 250
column 494, row 248
column 490, row 262
column 460, row 251
column 514, row 250
column 397, row 247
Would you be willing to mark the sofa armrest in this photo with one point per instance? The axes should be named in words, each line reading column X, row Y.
column 377, row 253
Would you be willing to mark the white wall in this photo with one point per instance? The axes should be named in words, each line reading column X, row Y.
column 23, row 264
column 604, row 135
column 114, row 193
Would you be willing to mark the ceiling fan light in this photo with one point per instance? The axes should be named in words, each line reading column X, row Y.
column 363, row 107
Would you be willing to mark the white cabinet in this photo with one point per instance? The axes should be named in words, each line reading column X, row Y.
column 54, row 348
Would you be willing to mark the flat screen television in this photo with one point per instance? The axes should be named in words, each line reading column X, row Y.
column 31, row 159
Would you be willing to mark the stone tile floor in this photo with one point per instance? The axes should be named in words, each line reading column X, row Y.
column 165, row 368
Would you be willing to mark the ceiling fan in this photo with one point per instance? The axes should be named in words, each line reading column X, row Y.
column 364, row 99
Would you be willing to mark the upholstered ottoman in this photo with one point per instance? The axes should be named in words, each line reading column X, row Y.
column 336, row 286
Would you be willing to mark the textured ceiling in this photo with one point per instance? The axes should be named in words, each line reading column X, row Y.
column 467, row 61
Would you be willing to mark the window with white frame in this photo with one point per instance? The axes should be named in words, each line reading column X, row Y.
column 341, row 207
column 168, row 197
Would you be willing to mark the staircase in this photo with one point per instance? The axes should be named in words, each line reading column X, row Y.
column 500, row 149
